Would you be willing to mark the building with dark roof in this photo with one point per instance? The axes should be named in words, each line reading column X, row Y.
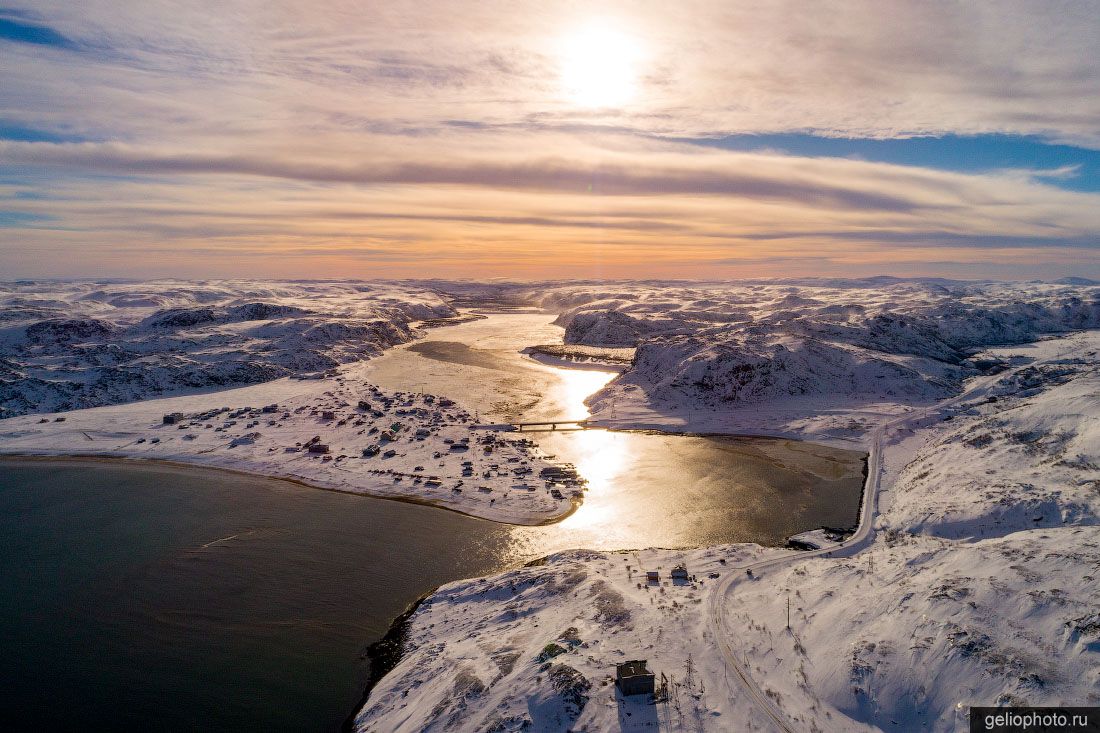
column 632, row 678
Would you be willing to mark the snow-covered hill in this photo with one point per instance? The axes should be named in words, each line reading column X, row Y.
column 980, row 588
column 706, row 351
column 73, row 345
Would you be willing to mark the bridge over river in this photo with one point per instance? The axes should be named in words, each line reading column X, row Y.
column 550, row 425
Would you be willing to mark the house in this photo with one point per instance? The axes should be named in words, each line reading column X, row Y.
column 318, row 448
column 679, row 573
column 652, row 576
column 328, row 415
column 270, row 408
column 173, row 417
column 632, row 678
column 364, row 405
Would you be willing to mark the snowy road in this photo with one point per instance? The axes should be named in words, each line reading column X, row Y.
column 859, row 541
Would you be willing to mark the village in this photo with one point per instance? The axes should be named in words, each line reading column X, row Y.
column 345, row 434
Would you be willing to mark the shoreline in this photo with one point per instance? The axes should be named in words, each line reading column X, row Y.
column 389, row 650
column 113, row 459
column 385, row 654
column 560, row 355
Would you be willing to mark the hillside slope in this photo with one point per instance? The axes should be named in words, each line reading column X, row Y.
column 979, row 589
column 74, row 345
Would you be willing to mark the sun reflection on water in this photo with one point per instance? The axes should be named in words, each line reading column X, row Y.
column 575, row 386
column 643, row 489
column 600, row 456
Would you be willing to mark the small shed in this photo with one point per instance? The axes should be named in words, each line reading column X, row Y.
column 328, row 415
column 632, row 678
column 652, row 576
column 173, row 417
column 318, row 448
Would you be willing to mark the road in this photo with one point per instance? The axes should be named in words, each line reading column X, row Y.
column 860, row 540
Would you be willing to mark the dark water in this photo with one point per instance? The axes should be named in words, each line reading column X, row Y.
column 146, row 597
column 153, row 598
column 117, row 612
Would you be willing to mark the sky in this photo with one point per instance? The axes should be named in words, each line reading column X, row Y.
column 527, row 140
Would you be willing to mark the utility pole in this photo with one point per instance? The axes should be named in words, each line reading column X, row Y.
column 788, row 610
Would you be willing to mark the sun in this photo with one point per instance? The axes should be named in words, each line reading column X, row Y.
column 599, row 67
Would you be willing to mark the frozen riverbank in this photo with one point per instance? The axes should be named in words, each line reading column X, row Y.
column 412, row 442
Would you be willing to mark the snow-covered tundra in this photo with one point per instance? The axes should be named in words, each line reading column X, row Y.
column 979, row 585
column 802, row 356
column 263, row 377
column 72, row 345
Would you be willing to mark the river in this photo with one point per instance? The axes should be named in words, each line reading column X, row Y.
column 645, row 490
column 209, row 600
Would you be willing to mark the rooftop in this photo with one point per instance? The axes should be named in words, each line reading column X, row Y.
column 632, row 668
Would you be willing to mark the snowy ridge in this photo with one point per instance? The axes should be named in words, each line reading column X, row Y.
column 719, row 348
column 73, row 345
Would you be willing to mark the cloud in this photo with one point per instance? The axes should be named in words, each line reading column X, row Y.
column 610, row 177
column 1061, row 173
column 856, row 68
column 443, row 133
column 491, row 206
column 933, row 238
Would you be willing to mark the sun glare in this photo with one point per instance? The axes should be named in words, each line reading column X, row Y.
column 599, row 67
